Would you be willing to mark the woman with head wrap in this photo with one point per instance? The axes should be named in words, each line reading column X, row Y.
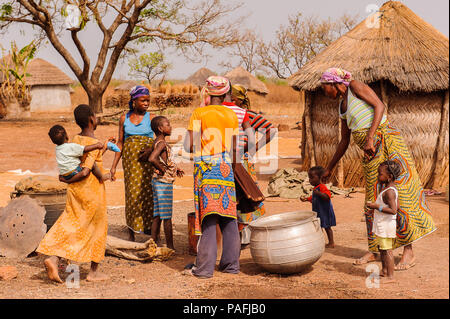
column 211, row 132
column 362, row 116
column 135, row 134
column 259, row 124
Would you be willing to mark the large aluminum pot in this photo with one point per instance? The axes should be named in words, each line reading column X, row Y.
column 287, row 243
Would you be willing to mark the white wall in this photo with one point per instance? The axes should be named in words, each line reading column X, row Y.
column 50, row 98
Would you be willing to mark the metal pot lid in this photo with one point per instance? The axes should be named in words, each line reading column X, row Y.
column 283, row 220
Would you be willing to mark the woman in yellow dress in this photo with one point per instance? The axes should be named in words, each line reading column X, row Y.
column 80, row 232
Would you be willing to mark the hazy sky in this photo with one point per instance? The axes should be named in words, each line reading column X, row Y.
column 263, row 16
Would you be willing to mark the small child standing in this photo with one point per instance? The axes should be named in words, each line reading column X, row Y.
column 68, row 154
column 321, row 202
column 385, row 216
column 162, row 182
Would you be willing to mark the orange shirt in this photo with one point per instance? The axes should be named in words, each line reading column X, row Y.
column 217, row 125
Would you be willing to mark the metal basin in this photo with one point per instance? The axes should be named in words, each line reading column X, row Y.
column 287, row 243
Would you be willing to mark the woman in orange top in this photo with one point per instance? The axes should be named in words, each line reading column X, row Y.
column 212, row 133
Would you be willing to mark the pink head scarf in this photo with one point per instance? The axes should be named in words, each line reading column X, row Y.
column 336, row 75
column 215, row 86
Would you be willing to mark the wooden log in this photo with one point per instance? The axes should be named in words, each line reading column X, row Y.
column 439, row 153
column 309, row 132
column 136, row 251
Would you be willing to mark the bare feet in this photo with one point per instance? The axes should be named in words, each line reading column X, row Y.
column 95, row 276
column 329, row 245
column 51, row 264
column 408, row 260
column 367, row 258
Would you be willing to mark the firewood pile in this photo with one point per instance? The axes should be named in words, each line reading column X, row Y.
column 164, row 96
column 117, row 101
column 163, row 101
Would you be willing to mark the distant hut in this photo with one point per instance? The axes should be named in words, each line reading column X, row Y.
column 49, row 86
column 406, row 61
column 126, row 86
column 199, row 77
column 242, row 77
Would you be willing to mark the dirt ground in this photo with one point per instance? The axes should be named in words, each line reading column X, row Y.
column 26, row 146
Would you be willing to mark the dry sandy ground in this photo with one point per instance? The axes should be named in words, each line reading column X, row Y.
column 25, row 146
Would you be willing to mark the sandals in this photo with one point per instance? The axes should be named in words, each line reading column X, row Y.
column 404, row 266
column 363, row 261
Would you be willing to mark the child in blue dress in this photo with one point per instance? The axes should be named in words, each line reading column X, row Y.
column 321, row 202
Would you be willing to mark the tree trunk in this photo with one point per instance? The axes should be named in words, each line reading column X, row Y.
column 95, row 101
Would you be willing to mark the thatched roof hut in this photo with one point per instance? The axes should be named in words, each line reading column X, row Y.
column 199, row 77
column 242, row 77
column 406, row 61
column 50, row 87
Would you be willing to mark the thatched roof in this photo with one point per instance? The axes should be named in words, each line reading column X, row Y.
column 242, row 77
column 199, row 77
column 41, row 73
column 45, row 73
column 126, row 86
column 402, row 48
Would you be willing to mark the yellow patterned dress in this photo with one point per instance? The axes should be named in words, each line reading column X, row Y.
column 80, row 232
column 413, row 217
column 138, row 184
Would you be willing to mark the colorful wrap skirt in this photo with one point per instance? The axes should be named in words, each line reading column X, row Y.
column 246, row 218
column 214, row 188
column 414, row 219
column 162, row 199
column 138, row 184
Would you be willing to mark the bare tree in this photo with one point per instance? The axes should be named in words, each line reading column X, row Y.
column 163, row 22
column 246, row 51
column 299, row 41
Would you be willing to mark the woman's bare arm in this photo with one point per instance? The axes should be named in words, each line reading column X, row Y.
column 120, row 143
column 342, row 146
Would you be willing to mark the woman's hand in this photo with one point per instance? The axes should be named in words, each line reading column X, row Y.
column 112, row 172
column 303, row 198
column 369, row 148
